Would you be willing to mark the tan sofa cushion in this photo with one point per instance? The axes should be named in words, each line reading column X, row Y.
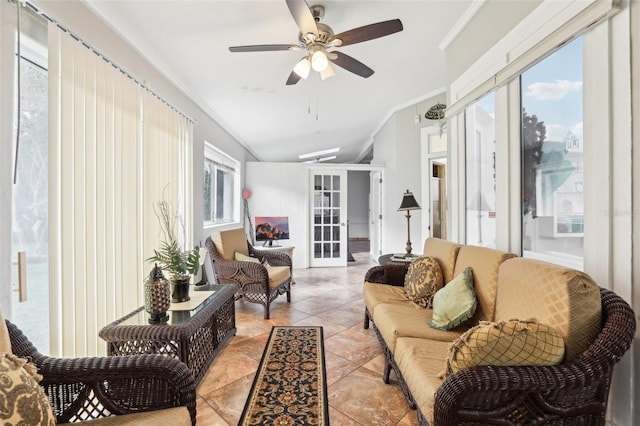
column 177, row 416
column 484, row 263
column 420, row 361
column 278, row 275
column 422, row 281
column 445, row 252
column 229, row 241
column 512, row 342
column 566, row 299
column 244, row 258
column 407, row 320
column 375, row 294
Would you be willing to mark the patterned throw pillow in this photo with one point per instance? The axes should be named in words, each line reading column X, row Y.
column 455, row 303
column 22, row 400
column 512, row 342
column 422, row 281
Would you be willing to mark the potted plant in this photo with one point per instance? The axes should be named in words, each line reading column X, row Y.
column 179, row 263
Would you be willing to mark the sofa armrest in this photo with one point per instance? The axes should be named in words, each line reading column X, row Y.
column 274, row 258
column 391, row 274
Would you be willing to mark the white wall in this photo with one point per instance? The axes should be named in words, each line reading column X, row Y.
column 358, row 203
column 281, row 189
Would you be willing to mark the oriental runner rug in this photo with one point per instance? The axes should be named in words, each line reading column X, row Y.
column 290, row 386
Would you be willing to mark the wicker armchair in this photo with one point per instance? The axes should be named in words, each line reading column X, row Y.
column 260, row 280
column 93, row 387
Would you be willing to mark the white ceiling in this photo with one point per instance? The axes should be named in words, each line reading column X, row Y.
column 246, row 92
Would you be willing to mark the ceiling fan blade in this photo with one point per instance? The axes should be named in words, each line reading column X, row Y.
column 264, row 47
column 368, row 32
column 302, row 15
column 293, row 78
column 351, row 64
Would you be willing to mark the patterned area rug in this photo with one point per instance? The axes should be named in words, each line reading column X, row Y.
column 290, row 386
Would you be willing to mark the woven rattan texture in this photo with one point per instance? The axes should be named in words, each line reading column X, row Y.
column 196, row 342
column 250, row 278
column 92, row 387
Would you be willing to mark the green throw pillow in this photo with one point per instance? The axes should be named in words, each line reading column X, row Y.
column 422, row 281
column 455, row 302
column 244, row 258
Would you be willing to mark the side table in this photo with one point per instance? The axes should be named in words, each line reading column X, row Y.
column 388, row 258
column 194, row 336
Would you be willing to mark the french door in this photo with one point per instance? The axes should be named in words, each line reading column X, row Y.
column 328, row 217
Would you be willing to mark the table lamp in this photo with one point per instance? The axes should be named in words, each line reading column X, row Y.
column 408, row 203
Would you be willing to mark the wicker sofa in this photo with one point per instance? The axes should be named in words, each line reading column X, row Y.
column 596, row 325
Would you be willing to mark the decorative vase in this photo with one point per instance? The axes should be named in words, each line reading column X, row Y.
column 180, row 289
column 157, row 296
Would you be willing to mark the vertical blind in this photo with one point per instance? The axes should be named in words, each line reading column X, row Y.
column 114, row 151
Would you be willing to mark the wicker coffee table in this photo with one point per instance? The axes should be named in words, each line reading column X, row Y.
column 194, row 336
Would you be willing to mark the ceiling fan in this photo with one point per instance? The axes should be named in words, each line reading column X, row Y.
column 316, row 38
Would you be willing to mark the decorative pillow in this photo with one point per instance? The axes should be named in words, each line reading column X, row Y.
column 22, row 400
column 422, row 281
column 243, row 257
column 512, row 342
column 455, row 302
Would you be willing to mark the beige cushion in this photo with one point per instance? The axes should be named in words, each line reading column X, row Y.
column 420, row 362
column 229, row 241
column 278, row 275
column 511, row 342
column 454, row 303
column 566, row 299
column 485, row 263
column 177, row 416
column 5, row 340
column 395, row 321
column 22, row 400
column 244, row 258
column 422, row 281
column 445, row 252
column 375, row 294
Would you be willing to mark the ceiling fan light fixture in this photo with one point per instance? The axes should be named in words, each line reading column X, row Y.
column 330, row 71
column 319, row 60
column 303, row 67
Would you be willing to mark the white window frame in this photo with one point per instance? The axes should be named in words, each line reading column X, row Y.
column 227, row 163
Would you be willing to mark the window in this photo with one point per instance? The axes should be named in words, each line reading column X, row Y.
column 30, row 223
column 481, row 172
column 221, row 186
column 552, row 158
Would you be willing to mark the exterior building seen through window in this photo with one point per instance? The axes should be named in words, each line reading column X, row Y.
column 552, row 158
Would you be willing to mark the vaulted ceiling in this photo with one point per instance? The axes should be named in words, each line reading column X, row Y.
column 246, row 92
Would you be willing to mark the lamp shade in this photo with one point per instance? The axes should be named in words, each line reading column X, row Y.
column 409, row 202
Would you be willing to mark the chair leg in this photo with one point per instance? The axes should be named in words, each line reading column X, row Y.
column 289, row 296
column 366, row 320
column 387, row 371
column 266, row 311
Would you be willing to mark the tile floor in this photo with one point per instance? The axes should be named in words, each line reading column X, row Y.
column 332, row 298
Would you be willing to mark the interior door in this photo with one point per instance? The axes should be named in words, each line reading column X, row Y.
column 328, row 218
column 437, row 198
column 375, row 214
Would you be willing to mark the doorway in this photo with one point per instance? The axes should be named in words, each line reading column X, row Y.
column 438, row 198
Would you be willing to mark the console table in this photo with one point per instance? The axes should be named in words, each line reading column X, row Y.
column 194, row 335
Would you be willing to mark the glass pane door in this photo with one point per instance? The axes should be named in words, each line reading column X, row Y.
column 328, row 218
